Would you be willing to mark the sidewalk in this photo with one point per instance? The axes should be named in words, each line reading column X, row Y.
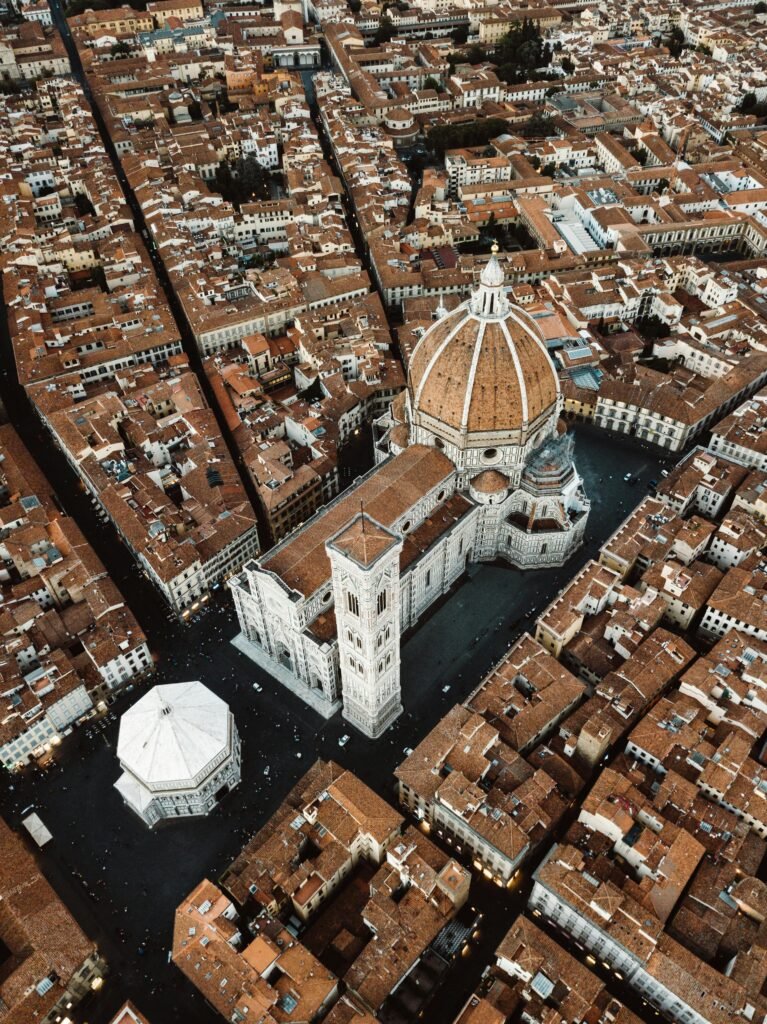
column 313, row 698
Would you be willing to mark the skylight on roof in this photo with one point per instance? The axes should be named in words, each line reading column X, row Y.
column 542, row 985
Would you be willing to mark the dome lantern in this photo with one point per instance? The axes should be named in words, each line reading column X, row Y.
column 490, row 300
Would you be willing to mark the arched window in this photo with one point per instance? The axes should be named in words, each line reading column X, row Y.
column 352, row 603
column 381, row 604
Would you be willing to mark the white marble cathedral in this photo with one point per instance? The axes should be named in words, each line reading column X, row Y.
column 473, row 464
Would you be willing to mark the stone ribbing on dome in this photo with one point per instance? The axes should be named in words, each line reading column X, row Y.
column 482, row 375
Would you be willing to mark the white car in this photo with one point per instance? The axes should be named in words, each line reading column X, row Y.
column 257, row 688
column 407, row 750
column 627, row 476
column 343, row 741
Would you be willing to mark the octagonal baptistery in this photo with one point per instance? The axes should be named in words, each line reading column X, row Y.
column 179, row 751
column 481, row 384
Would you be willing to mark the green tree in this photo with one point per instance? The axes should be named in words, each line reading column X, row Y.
column 760, row 8
column 748, row 103
column 475, row 54
column 242, row 182
column 355, row 6
column 120, row 49
column 472, row 133
column 549, row 170
column 431, row 83
column 538, row 125
column 521, row 54
column 567, row 65
column 385, row 30
column 676, row 41
column 84, row 206
column 460, row 35
column 252, row 180
column 652, row 327
column 224, row 180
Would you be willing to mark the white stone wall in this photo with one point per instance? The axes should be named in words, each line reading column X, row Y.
column 432, row 575
column 125, row 666
column 198, row 800
column 508, row 458
column 716, row 624
column 367, row 603
column 538, row 550
column 731, row 450
column 724, row 555
column 71, row 707
column 21, row 748
column 275, row 623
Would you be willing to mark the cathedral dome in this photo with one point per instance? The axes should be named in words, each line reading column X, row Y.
column 490, row 481
column 481, row 374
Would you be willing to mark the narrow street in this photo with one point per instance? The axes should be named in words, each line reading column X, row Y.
column 185, row 333
column 358, row 238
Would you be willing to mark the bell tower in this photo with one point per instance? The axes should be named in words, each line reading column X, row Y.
column 364, row 557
